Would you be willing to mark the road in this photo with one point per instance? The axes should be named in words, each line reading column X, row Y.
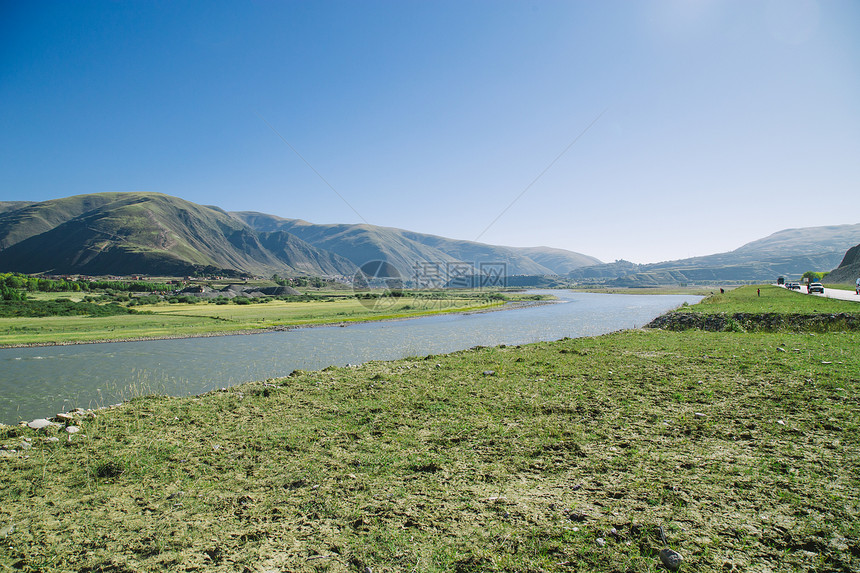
column 835, row 293
column 840, row 294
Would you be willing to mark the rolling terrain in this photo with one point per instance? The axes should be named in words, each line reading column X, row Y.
column 790, row 253
column 849, row 269
column 148, row 233
column 406, row 249
column 156, row 234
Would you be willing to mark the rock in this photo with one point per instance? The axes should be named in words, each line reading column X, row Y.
column 52, row 439
column 671, row 559
column 73, row 429
column 489, row 372
column 779, row 349
column 63, row 418
column 40, row 424
column 600, row 541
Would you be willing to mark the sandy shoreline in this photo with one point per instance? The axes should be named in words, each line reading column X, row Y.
column 284, row 328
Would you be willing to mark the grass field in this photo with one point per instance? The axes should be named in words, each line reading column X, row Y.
column 773, row 299
column 562, row 456
column 173, row 320
column 840, row 286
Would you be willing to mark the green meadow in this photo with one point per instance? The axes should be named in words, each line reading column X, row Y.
column 564, row 456
column 204, row 319
column 773, row 299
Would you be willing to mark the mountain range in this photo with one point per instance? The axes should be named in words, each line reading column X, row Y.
column 789, row 253
column 156, row 234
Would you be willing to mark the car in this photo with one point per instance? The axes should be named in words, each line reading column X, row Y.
column 793, row 286
column 815, row 287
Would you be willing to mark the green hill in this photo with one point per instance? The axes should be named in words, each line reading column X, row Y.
column 151, row 233
column 147, row 233
column 406, row 249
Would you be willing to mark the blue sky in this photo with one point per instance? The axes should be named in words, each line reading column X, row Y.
column 717, row 123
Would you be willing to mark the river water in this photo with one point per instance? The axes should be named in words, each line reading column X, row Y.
column 40, row 382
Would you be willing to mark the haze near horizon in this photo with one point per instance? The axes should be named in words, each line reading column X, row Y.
column 646, row 131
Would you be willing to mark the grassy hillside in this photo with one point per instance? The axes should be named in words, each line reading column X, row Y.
column 149, row 233
column 565, row 456
column 13, row 205
column 406, row 249
column 17, row 225
column 559, row 261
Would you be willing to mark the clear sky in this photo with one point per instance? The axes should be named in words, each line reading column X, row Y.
column 717, row 122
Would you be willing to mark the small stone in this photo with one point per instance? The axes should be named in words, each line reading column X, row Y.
column 779, row 349
column 671, row 559
column 600, row 541
column 40, row 424
column 699, row 415
column 26, row 445
column 52, row 439
column 781, row 422
column 489, row 372
column 63, row 417
column 73, row 429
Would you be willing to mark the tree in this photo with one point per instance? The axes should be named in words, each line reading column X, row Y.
column 814, row 276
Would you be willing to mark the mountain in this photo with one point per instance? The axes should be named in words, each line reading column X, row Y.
column 13, row 205
column 148, row 233
column 407, row 250
column 849, row 269
column 152, row 233
column 790, row 253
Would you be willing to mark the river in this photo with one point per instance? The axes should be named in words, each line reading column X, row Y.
column 40, row 382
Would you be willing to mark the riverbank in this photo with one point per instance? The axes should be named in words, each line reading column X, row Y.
column 494, row 307
column 552, row 456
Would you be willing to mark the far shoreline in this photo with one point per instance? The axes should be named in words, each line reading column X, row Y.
column 512, row 305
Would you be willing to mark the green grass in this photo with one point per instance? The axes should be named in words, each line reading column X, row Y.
column 745, row 447
column 840, row 286
column 773, row 299
column 201, row 319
